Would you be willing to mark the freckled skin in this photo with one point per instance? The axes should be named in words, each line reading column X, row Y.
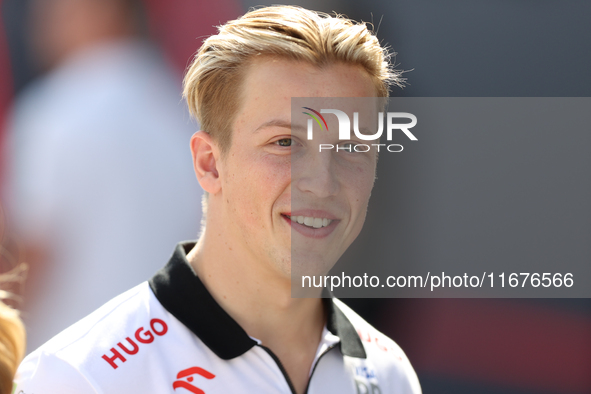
column 258, row 183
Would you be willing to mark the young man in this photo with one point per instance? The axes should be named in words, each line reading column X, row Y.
column 219, row 317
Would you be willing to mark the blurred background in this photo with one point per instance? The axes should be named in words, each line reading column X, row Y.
column 97, row 181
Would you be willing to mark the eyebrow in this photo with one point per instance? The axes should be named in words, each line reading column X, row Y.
column 279, row 123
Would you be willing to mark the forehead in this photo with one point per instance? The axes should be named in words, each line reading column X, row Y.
column 269, row 83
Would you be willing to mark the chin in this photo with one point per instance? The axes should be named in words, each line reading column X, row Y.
column 309, row 263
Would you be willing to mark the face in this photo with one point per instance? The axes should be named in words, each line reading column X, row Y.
column 285, row 204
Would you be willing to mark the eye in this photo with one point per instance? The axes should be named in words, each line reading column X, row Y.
column 284, row 142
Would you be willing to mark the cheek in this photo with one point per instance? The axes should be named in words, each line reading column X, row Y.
column 256, row 181
column 359, row 185
column 276, row 170
column 359, row 194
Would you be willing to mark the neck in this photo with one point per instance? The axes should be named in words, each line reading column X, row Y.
column 259, row 299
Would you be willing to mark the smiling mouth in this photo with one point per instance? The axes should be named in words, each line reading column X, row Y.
column 310, row 221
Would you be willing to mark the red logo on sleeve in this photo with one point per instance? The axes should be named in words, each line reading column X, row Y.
column 188, row 374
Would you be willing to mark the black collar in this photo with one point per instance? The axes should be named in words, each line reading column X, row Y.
column 181, row 292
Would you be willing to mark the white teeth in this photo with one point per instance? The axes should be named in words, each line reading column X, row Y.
column 311, row 221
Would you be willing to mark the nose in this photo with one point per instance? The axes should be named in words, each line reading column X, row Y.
column 316, row 174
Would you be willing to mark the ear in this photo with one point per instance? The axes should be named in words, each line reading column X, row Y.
column 205, row 161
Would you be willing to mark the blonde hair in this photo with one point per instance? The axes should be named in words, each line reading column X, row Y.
column 212, row 82
column 12, row 345
column 12, row 330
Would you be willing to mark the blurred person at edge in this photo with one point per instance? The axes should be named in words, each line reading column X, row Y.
column 99, row 182
column 12, row 345
column 12, row 330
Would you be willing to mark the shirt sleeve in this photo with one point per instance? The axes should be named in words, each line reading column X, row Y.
column 48, row 374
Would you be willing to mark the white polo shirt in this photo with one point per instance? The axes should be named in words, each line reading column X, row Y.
column 169, row 335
